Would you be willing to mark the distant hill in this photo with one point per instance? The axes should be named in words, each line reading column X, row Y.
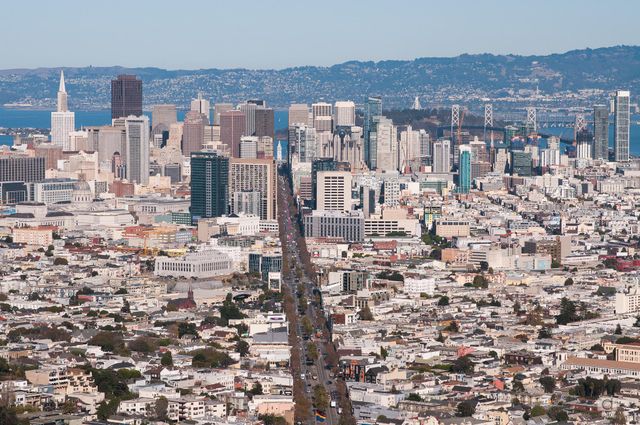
column 436, row 80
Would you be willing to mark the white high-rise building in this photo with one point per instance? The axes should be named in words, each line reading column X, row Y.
column 299, row 114
column 345, row 113
column 322, row 115
column 62, row 120
column 441, row 156
column 137, row 149
column 409, row 147
column 334, row 191
column 202, row 106
column 621, row 123
column 386, row 145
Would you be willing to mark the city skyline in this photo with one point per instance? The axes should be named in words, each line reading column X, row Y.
column 426, row 32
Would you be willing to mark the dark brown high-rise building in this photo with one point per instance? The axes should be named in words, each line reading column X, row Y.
column 232, row 128
column 193, row 132
column 126, row 96
column 264, row 123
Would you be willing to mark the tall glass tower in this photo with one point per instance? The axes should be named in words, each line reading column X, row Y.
column 209, row 185
column 464, row 175
column 372, row 108
column 621, row 126
column 601, row 132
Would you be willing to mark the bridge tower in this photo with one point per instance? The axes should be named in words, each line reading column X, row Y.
column 531, row 119
column 488, row 120
column 581, row 123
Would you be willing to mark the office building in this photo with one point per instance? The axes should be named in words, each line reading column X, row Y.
column 521, row 163
column 302, row 142
column 246, row 202
column 298, row 114
column 345, row 113
column 265, row 263
column 62, row 120
column 219, row 108
column 322, row 116
column 601, row 132
column 249, row 147
column 21, row 169
column 232, row 128
column 249, row 110
column 441, row 156
column 334, row 191
column 464, row 174
column 621, row 124
column 137, row 149
column 51, row 154
column 201, row 106
column 384, row 144
column 162, row 116
column 346, row 226
column 209, row 185
column 193, row 132
column 264, row 124
column 126, row 96
column 256, row 175
column 372, row 108
column 585, row 144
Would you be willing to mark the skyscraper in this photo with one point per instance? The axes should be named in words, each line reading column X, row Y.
column 334, row 191
column 441, row 156
column 126, row 96
column 162, row 116
column 322, row 116
column 255, row 175
column 264, row 125
column 601, row 132
column 249, row 111
column 464, row 175
column 209, row 185
column 621, row 125
column 584, row 142
column 62, row 120
column 137, row 149
column 372, row 108
column 219, row 108
column 232, row 128
column 193, row 132
column 202, row 106
column 298, row 114
column 345, row 113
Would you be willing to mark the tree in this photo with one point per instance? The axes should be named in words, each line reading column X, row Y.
column 256, row 389
column 465, row 409
column 544, row 333
column 619, row 417
column 548, row 383
column 618, row 330
column 568, row 281
column 568, row 312
column 463, row 365
column 108, row 341
column 143, row 344
column 517, row 387
column 452, row 327
column 320, row 397
column 312, row 351
column 443, row 301
column 162, row 404
column 613, row 386
column 440, row 337
column 365, row 314
column 537, row 410
column 517, row 307
column 185, row 328
column 167, row 359
column 479, row 281
column 242, row 347
column 414, row 397
column 59, row 261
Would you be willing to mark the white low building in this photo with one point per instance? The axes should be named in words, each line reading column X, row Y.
column 198, row 265
column 420, row 286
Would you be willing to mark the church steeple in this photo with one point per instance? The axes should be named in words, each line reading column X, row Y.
column 62, row 94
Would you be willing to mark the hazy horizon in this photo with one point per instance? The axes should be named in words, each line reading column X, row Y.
column 264, row 35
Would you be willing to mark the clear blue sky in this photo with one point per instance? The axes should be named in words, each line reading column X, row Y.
column 192, row 34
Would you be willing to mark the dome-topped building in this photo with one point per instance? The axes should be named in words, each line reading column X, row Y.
column 82, row 193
